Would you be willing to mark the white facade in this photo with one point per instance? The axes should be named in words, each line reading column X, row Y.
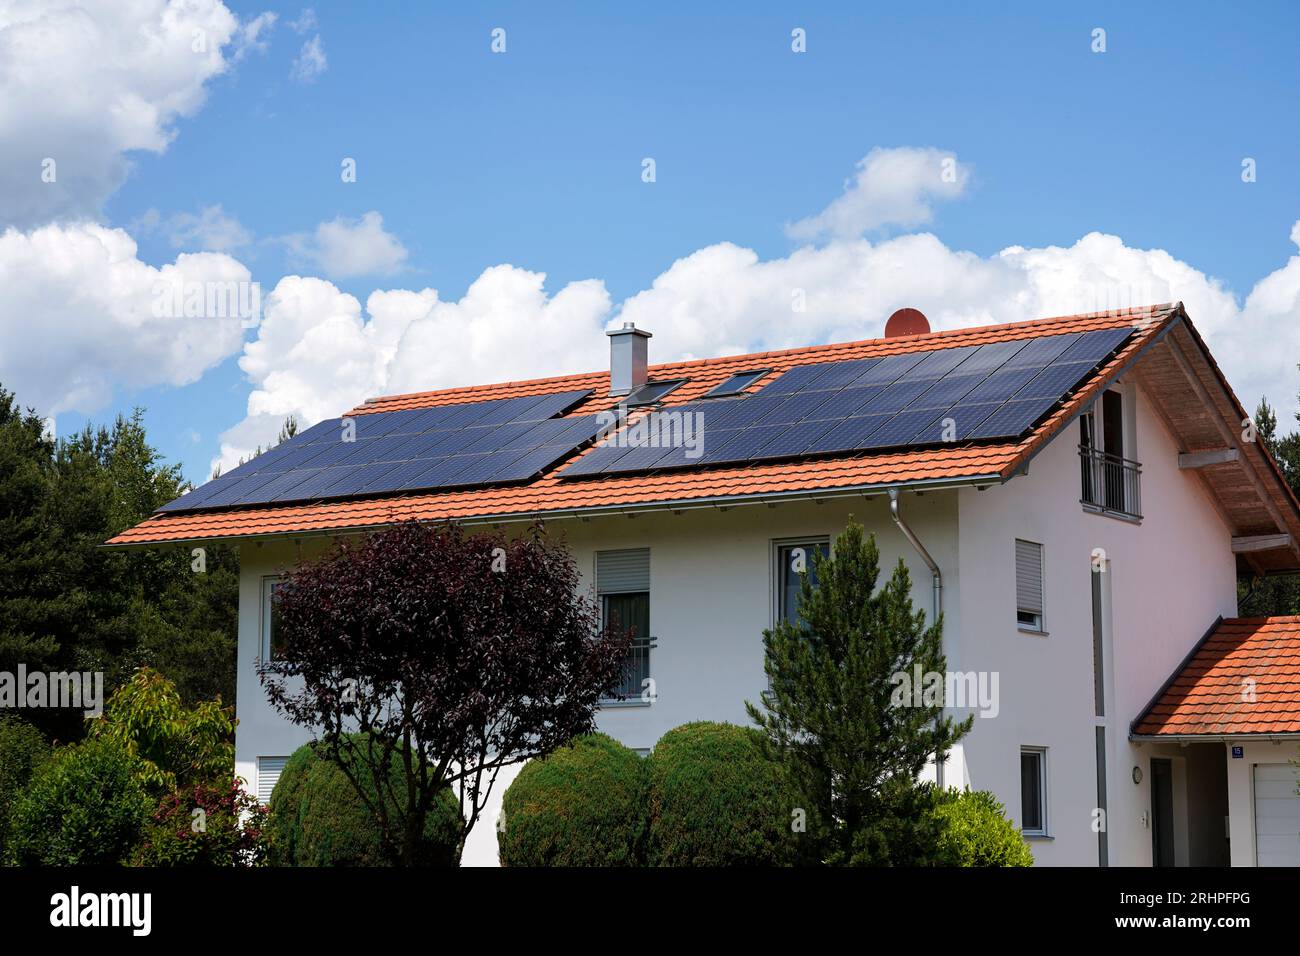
column 712, row 593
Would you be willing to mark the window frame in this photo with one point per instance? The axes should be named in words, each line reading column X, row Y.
column 1039, row 628
column 269, row 583
column 776, row 566
column 1044, row 801
column 257, row 784
column 602, row 596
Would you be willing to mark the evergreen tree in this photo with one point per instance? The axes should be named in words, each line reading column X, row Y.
column 829, row 711
column 1276, row 594
column 68, row 604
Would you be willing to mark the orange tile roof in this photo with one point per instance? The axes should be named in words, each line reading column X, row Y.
column 1243, row 678
column 549, row 495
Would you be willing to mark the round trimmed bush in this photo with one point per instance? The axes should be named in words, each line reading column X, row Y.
column 317, row 818
column 717, row 800
column 582, row 805
column 976, row 832
column 85, row 806
column 23, row 750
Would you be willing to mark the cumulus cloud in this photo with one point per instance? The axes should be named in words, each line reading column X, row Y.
column 310, row 61
column 81, row 315
column 318, row 353
column 893, row 187
column 346, row 248
column 86, row 81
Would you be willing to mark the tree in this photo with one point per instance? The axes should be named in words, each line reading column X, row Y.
column 68, row 604
column 453, row 655
column 830, row 709
column 1280, row 593
column 178, row 747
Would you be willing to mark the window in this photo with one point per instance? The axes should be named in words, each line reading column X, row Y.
column 736, row 384
column 1033, row 791
column 1029, row 585
column 268, row 773
column 270, row 644
column 793, row 559
column 623, row 586
column 651, row 392
column 1111, row 482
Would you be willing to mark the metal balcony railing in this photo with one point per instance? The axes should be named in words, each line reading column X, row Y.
column 635, row 672
column 1111, row 484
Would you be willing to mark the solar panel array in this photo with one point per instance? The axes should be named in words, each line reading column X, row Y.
column 967, row 393
column 477, row 443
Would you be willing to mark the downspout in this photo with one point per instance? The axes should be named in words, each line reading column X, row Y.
column 910, row 535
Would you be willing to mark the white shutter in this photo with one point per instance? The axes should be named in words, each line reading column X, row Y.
column 1029, row 577
column 268, row 773
column 623, row 572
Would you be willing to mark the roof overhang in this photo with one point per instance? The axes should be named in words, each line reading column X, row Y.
column 713, row 503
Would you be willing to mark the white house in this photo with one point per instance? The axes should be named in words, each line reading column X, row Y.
column 1081, row 524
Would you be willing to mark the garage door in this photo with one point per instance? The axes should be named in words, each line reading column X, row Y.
column 1277, row 815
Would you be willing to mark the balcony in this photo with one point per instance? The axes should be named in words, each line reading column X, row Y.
column 637, row 669
column 1111, row 485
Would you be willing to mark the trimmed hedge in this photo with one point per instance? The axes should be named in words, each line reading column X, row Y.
column 23, row 750
column 85, row 806
column 716, row 799
column 317, row 818
column 582, row 805
column 976, row 832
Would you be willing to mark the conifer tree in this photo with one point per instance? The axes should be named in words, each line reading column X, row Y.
column 830, row 710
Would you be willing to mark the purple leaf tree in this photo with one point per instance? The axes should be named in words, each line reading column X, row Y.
column 422, row 656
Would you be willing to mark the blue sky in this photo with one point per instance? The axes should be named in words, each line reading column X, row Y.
column 532, row 157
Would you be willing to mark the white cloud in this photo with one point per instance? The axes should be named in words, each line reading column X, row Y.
column 86, row 81
column 893, row 187
column 310, row 61
column 254, row 36
column 80, row 316
column 346, row 248
column 317, row 353
column 211, row 229
column 306, row 21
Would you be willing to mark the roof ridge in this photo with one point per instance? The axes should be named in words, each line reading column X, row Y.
column 1150, row 312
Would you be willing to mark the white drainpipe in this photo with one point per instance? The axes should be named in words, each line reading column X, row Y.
column 910, row 535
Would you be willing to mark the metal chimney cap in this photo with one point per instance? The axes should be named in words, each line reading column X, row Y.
column 629, row 328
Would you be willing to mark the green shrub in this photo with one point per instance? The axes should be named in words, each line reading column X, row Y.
column 319, row 819
column 976, row 832
column 582, row 805
column 22, row 751
column 178, row 746
column 85, row 806
column 228, row 832
column 717, row 800
column 901, row 827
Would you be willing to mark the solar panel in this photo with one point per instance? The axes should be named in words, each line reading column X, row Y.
column 1012, row 418
column 465, row 443
column 889, row 369
column 796, row 439
column 1055, row 380
column 795, row 380
column 995, row 390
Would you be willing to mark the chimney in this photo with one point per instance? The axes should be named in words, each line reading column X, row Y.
column 627, row 359
column 907, row 322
